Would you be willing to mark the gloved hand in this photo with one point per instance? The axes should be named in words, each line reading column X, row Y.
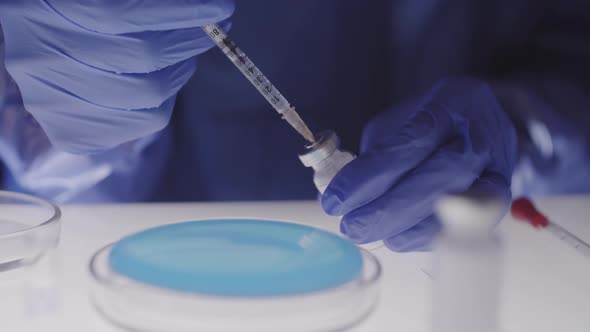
column 128, row 173
column 454, row 138
column 96, row 74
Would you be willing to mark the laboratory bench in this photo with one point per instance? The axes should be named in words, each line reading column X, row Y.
column 546, row 284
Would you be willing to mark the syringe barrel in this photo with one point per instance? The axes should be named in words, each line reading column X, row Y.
column 326, row 159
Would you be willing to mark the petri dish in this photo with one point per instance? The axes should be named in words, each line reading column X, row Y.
column 29, row 226
column 234, row 275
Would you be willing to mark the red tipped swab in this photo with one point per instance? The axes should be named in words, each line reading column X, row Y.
column 524, row 210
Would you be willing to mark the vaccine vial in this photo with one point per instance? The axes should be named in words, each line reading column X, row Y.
column 467, row 264
column 325, row 158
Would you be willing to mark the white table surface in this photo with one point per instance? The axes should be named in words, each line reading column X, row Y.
column 547, row 284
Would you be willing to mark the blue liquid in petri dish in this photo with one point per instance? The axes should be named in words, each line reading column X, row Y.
column 237, row 257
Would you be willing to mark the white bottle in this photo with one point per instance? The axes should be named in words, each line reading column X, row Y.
column 467, row 265
column 326, row 159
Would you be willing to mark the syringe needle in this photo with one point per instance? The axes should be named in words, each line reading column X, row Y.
column 297, row 123
column 257, row 78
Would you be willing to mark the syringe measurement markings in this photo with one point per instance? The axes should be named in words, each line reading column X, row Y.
column 230, row 48
column 251, row 70
column 233, row 50
column 257, row 78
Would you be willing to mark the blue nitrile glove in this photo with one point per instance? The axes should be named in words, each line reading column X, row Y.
column 127, row 173
column 96, row 74
column 454, row 138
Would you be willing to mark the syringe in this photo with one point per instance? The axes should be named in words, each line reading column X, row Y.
column 323, row 154
column 524, row 210
column 257, row 78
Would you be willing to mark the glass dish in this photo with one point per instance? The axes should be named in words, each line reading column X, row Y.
column 133, row 305
column 29, row 226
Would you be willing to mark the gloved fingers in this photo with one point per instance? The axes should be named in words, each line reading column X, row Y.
column 92, row 128
column 453, row 168
column 66, row 78
column 61, row 102
column 421, row 236
column 417, row 238
column 475, row 100
column 141, row 52
column 127, row 16
column 383, row 126
column 386, row 161
column 61, row 75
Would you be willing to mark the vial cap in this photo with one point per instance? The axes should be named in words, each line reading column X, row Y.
column 470, row 211
column 327, row 143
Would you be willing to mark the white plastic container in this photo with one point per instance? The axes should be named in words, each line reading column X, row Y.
column 467, row 265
